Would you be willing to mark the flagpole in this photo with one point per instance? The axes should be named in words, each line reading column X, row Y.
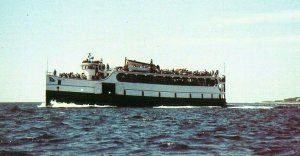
column 224, row 68
column 47, row 64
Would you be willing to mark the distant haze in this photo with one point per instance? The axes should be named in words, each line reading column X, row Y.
column 259, row 41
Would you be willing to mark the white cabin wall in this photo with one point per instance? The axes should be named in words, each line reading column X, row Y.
column 183, row 95
column 73, row 85
column 134, row 92
column 166, row 88
column 71, row 89
column 167, row 94
column 135, row 89
column 151, row 93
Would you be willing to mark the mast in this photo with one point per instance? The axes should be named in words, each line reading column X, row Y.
column 224, row 68
column 47, row 66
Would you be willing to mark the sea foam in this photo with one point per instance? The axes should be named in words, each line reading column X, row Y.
column 55, row 104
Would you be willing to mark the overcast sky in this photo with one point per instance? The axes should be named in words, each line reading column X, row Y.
column 258, row 40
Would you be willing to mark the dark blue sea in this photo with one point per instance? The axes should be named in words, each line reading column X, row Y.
column 240, row 129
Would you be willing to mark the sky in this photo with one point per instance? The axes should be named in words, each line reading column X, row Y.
column 258, row 41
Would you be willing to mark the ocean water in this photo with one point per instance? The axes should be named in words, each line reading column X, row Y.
column 68, row 129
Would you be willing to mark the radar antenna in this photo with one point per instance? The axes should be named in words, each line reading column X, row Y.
column 90, row 57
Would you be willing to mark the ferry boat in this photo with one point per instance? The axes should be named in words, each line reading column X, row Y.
column 136, row 84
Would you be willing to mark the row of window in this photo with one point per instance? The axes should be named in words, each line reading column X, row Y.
column 166, row 80
column 190, row 95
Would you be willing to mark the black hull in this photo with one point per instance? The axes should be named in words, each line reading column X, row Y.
column 128, row 101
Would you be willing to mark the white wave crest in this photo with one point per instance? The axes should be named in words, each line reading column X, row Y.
column 55, row 104
column 252, row 107
column 185, row 107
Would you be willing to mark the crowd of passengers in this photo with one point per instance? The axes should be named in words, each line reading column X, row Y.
column 168, row 80
column 72, row 75
column 99, row 75
column 190, row 73
column 156, row 69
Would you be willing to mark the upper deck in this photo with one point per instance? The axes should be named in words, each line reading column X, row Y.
column 140, row 72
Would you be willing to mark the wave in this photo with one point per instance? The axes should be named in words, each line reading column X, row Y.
column 173, row 146
column 187, row 107
column 252, row 107
column 55, row 104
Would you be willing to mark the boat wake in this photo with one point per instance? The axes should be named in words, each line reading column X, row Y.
column 55, row 104
column 252, row 107
column 186, row 107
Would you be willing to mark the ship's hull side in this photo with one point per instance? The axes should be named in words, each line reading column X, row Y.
column 129, row 101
